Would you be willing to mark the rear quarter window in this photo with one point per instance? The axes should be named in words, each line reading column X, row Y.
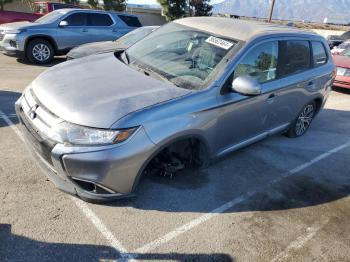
column 319, row 54
column 130, row 20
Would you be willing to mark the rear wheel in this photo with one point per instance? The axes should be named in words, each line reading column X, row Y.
column 40, row 51
column 303, row 121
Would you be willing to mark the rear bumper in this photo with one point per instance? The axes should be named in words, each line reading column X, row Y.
column 341, row 84
column 96, row 174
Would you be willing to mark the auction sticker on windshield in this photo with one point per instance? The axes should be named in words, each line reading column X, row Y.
column 219, row 42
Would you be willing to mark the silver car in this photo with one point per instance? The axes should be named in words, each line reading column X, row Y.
column 61, row 30
column 121, row 43
column 192, row 91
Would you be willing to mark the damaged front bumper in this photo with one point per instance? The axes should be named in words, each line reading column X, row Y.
column 94, row 173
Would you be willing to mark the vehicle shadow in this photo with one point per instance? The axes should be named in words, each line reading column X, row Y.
column 341, row 90
column 258, row 169
column 7, row 102
column 19, row 248
column 57, row 60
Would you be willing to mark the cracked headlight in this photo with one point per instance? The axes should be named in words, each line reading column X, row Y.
column 68, row 133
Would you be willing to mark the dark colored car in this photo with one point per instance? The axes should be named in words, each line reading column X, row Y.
column 111, row 46
column 342, row 62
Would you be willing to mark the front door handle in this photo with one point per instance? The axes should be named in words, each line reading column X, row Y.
column 311, row 85
column 84, row 30
column 271, row 98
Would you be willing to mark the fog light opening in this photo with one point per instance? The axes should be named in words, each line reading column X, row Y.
column 13, row 43
column 92, row 187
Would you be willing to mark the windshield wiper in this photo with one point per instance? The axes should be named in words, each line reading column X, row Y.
column 149, row 71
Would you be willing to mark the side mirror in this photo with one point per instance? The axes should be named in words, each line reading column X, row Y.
column 246, row 85
column 63, row 23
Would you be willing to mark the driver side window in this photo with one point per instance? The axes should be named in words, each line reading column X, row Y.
column 260, row 63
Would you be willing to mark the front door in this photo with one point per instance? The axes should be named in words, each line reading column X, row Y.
column 75, row 33
column 244, row 119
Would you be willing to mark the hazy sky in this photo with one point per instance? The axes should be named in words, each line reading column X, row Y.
column 151, row 2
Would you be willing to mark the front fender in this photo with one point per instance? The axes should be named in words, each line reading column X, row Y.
column 199, row 125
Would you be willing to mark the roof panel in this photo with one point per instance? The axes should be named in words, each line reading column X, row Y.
column 236, row 28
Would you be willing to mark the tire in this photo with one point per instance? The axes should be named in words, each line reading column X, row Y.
column 303, row 121
column 39, row 51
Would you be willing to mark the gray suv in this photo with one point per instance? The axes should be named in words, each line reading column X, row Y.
column 61, row 30
column 192, row 91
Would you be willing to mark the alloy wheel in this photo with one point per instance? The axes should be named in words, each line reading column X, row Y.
column 41, row 52
column 304, row 120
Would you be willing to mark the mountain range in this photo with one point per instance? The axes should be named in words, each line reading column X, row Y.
column 336, row 11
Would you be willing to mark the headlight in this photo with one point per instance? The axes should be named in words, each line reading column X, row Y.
column 14, row 31
column 68, row 133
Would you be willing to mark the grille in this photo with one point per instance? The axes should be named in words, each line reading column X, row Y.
column 40, row 145
column 37, row 122
column 1, row 36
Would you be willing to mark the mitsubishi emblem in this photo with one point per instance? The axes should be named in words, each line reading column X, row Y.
column 32, row 113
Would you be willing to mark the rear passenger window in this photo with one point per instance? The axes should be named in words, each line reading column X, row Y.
column 296, row 57
column 99, row 20
column 260, row 63
column 77, row 19
column 130, row 20
column 319, row 54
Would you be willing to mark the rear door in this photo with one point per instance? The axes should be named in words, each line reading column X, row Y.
column 75, row 33
column 294, row 73
column 299, row 79
column 101, row 27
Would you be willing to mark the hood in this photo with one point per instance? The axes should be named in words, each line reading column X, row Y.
column 94, row 48
column 98, row 90
column 17, row 25
column 341, row 61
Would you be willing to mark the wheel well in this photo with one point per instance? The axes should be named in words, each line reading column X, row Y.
column 318, row 102
column 176, row 151
column 47, row 38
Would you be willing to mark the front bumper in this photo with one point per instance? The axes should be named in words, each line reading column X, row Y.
column 96, row 174
column 11, row 44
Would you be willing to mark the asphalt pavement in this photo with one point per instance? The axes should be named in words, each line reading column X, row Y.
column 277, row 200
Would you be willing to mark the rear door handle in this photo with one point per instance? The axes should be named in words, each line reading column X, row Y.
column 84, row 30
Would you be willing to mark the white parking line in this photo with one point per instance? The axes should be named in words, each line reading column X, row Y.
column 196, row 222
column 301, row 240
column 92, row 217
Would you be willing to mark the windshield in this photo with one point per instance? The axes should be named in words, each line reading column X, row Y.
column 134, row 36
column 50, row 17
column 185, row 56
